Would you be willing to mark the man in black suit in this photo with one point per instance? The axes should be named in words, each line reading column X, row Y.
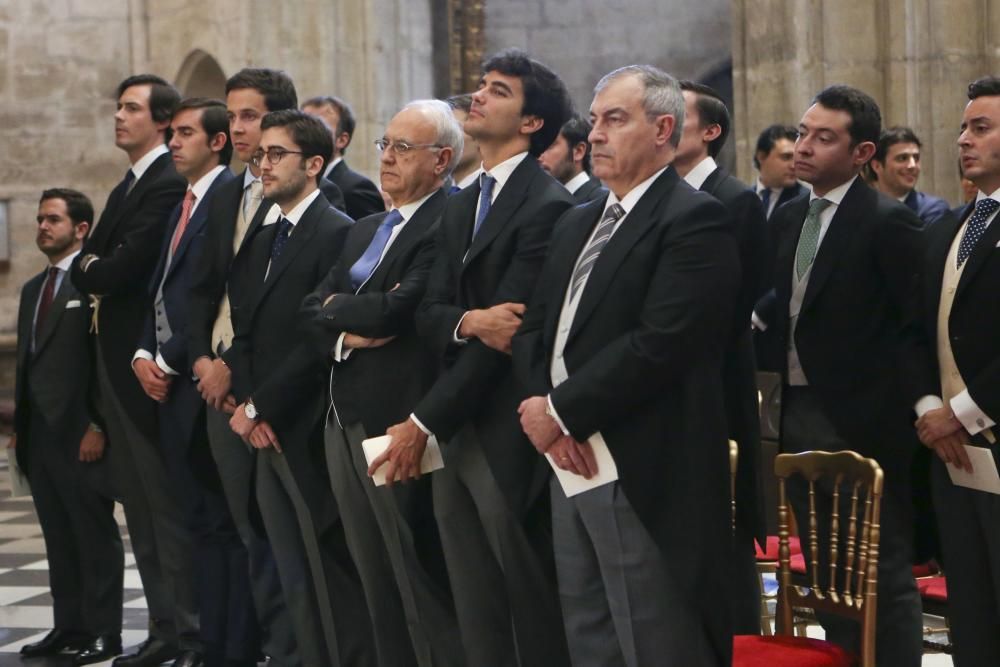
column 60, row 446
column 250, row 94
column 706, row 128
column 620, row 350
column 115, row 267
column 568, row 161
column 361, row 196
column 488, row 499
column 200, row 150
column 961, row 378
column 845, row 283
column 361, row 316
column 279, row 390
column 895, row 168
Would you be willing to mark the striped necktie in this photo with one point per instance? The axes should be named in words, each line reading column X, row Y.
column 605, row 228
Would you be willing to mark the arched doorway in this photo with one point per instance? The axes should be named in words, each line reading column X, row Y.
column 201, row 76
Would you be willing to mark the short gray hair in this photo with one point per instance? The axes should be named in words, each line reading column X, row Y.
column 662, row 94
column 449, row 132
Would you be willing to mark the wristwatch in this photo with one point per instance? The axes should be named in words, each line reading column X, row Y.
column 250, row 410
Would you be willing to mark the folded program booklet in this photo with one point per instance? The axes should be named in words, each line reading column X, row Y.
column 984, row 476
column 607, row 472
column 430, row 461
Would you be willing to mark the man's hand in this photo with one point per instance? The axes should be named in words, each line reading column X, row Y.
column 936, row 424
column 950, row 449
column 154, row 381
column 356, row 342
column 537, row 424
column 12, row 443
column 240, row 423
column 403, row 454
column 263, row 436
column 92, row 446
column 493, row 326
column 214, row 381
column 575, row 457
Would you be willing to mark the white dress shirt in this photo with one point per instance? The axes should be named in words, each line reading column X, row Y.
column 577, row 182
column 773, row 201
column 696, row 177
column 333, row 163
column 63, row 265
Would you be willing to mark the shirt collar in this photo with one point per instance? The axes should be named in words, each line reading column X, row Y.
column 248, row 178
column 408, row 210
column 202, row 185
column 469, row 179
column 66, row 262
column 296, row 213
column 143, row 163
column 836, row 195
column 629, row 201
column 696, row 177
column 333, row 163
column 502, row 171
column 577, row 182
column 982, row 195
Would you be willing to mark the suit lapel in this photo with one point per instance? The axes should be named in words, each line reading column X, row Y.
column 127, row 201
column 837, row 238
column 507, row 202
column 575, row 233
column 785, row 255
column 26, row 315
column 197, row 221
column 411, row 234
column 55, row 313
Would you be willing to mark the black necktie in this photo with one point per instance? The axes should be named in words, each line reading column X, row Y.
column 976, row 227
column 284, row 229
column 128, row 182
column 765, row 196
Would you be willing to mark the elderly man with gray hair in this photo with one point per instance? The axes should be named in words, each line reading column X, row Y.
column 620, row 350
column 361, row 322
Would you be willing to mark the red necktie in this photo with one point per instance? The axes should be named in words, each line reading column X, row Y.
column 183, row 223
column 48, row 293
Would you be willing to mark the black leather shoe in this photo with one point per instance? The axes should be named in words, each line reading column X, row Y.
column 99, row 649
column 189, row 659
column 150, row 653
column 54, row 642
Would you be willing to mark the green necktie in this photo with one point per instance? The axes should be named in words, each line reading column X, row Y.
column 809, row 239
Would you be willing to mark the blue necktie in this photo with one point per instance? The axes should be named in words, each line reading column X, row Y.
column 366, row 264
column 765, row 197
column 486, row 183
column 976, row 227
column 281, row 238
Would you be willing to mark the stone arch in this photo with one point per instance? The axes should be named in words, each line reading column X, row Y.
column 201, row 76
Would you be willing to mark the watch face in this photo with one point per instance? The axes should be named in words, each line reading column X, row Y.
column 250, row 410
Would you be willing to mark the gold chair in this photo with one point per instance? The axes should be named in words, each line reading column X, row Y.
column 849, row 588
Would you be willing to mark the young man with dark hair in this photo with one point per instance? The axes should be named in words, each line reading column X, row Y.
column 895, row 168
column 60, row 447
column 200, row 150
column 115, row 267
column 706, row 125
column 488, row 500
column 470, row 163
column 774, row 159
column 568, row 161
column 961, row 377
column 279, row 390
column 847, row 264
column 361, row 196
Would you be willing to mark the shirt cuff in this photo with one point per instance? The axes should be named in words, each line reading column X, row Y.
column 142, row 354
column 420, row 425
column 926, row 404
column 339, row 353
column 455, row 337
column 966, row 411
column 163, row 365
column 758, row 323
column 555, row 416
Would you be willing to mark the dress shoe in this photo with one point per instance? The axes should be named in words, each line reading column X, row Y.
column 99, row 649
column 53, row 643
column 189, row 659
column 149, row 653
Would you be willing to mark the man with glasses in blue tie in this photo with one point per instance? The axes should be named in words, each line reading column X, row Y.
column 962, row 382
column 278, row 388
column 361, row 318
column 488, row 498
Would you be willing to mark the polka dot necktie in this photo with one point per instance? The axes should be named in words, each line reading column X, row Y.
column 975, row 228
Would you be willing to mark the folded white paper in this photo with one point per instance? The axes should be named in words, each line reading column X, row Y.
column 984, row 476
column 19, row 486
column 430, row 461
column 607, row 472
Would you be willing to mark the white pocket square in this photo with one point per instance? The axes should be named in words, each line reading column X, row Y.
column 75, row 303
column 998, row 244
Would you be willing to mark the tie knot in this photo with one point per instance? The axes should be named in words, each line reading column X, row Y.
column 986, row 206
column 53, row 272
column 189, row 195
column 818, row 205
column 614, row 212
column 486, row 183
column 393, row 219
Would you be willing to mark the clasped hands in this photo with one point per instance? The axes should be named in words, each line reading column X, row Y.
column 548, row 438
column 493, row 326
column 941, row 431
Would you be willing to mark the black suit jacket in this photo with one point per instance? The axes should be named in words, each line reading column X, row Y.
column 333, row 194
column 928, row 208
column 270, row 359
column 590, row 191
column 852, row 336
column 746, row 215
column 56, row 381
column 361, row 196
column 645, row 370
column 477, row 387
column 127, row 239
column 380, row 309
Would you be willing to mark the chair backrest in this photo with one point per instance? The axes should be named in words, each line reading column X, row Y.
column 849, row 587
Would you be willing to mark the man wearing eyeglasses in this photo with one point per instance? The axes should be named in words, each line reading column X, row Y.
column 488, row 498
column 279, row 390
column 361, row 317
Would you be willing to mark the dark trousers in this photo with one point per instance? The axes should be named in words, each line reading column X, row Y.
column 899, row 635
column 412, row 616
column 746, row 593
column 82, row 542
column 969, row 522
column 506, row 599
column 253, row 574
column 161, row 541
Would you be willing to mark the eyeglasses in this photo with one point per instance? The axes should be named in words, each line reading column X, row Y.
column 401, row 147
column 274, row 155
